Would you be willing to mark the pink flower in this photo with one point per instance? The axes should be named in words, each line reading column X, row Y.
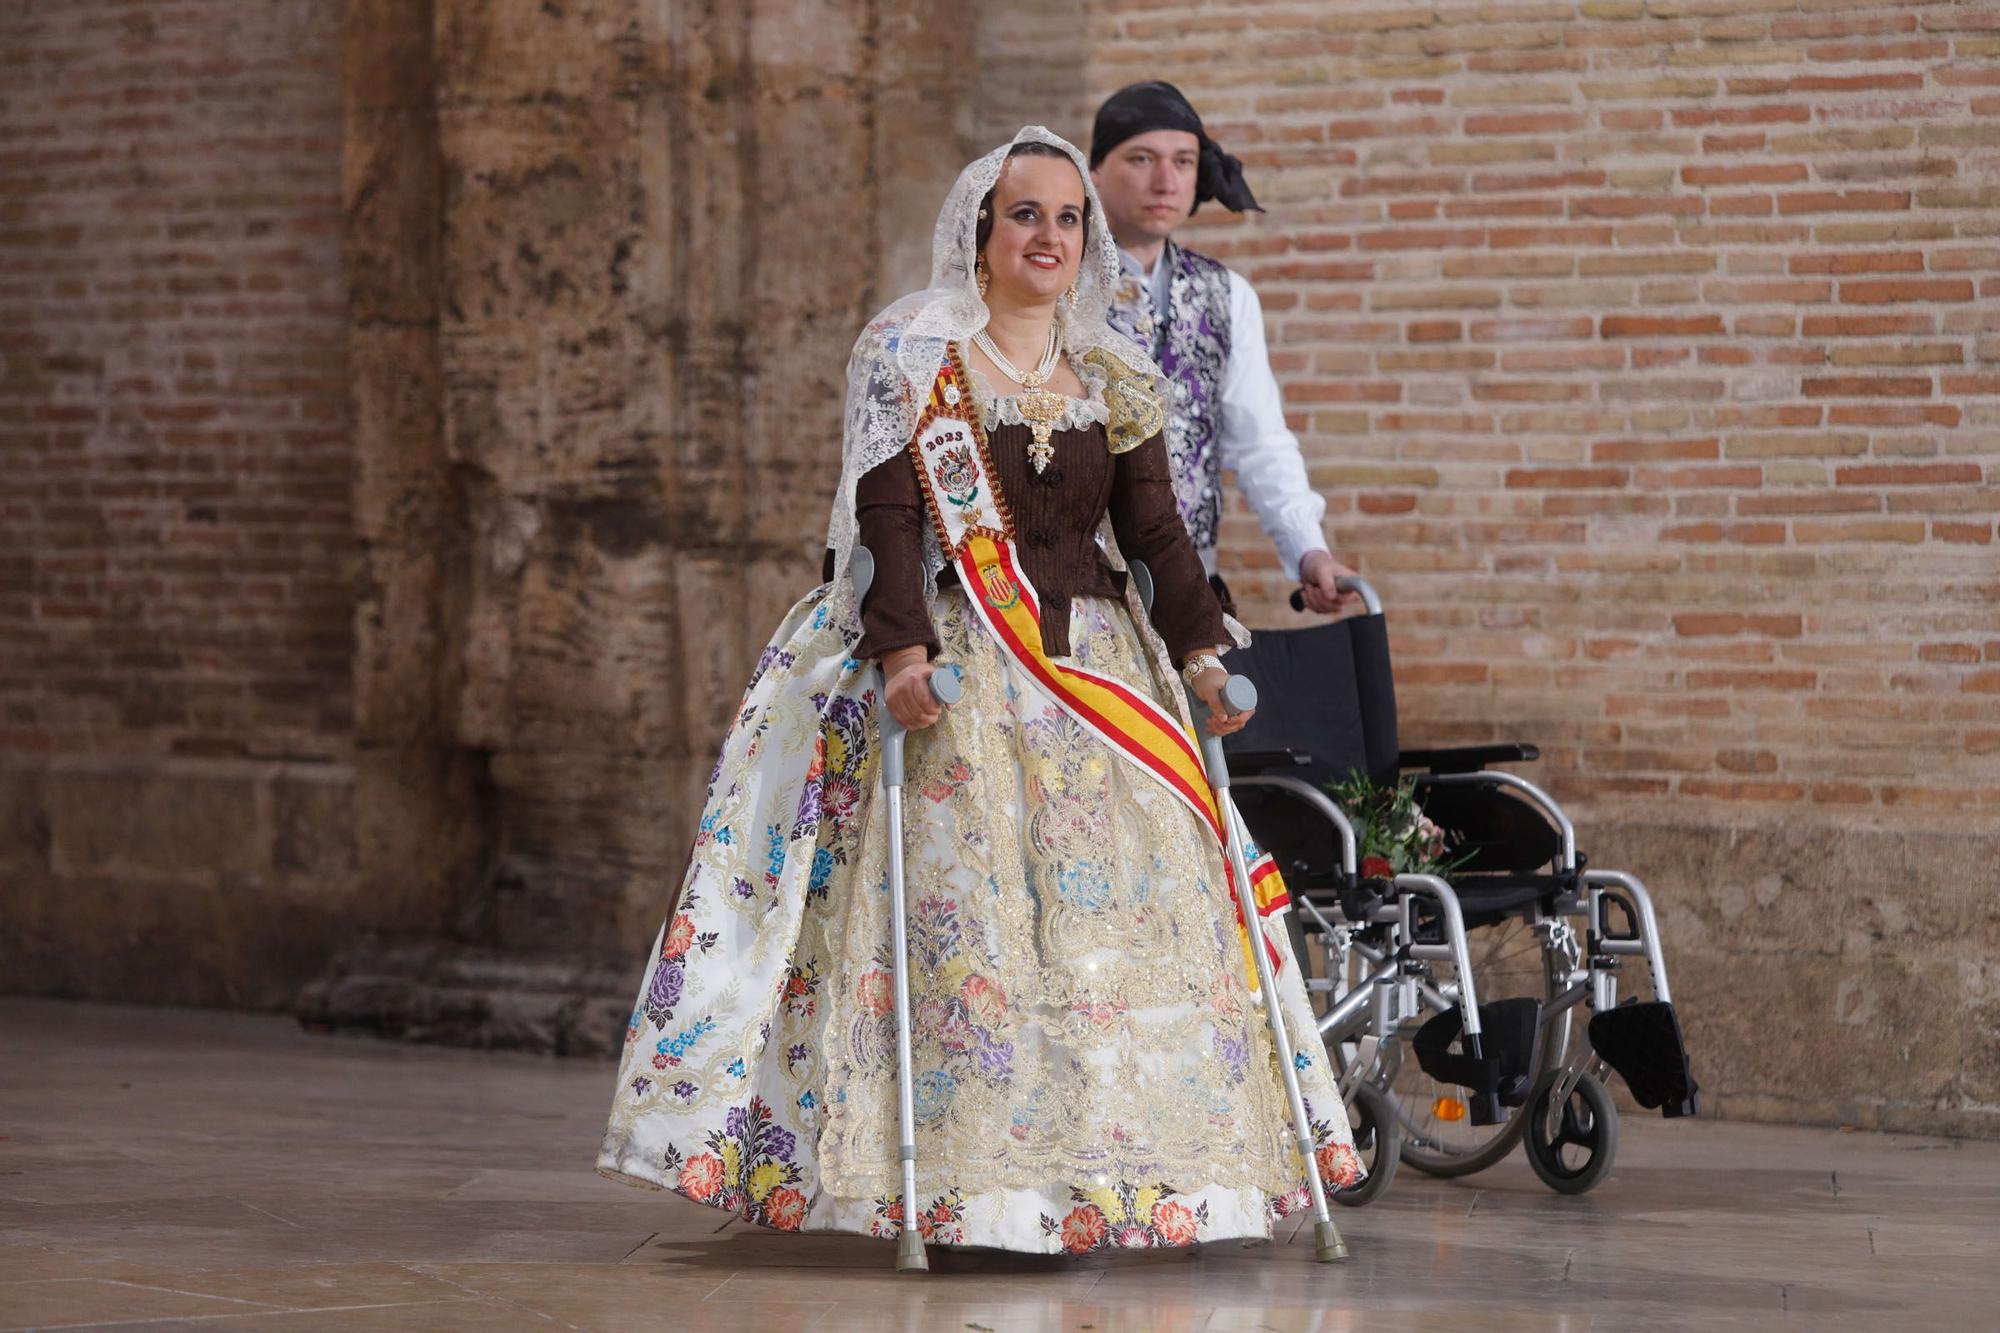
column 1174, row 1222
column 701, row 1177
column 1084, row 1229
column 1132, row 1236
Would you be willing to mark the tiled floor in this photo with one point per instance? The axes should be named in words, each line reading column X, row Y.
column 167, row 1169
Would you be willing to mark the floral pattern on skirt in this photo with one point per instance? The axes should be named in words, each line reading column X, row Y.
column 1093, row 1070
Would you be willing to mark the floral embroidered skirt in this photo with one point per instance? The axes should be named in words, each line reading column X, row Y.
column 1092, row 1064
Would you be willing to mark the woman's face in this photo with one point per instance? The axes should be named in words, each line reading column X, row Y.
column 1037, row 239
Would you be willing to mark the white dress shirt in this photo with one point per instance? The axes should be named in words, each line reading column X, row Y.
column 1252, row 438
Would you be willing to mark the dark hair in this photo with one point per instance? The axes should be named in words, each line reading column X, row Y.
column 1032, row 148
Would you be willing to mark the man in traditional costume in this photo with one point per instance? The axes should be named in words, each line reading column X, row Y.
column 1154, row 165
column 1092, row 1066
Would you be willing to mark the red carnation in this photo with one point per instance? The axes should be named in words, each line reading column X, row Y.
column 1084, row 1229
column 701, row 1177
column 785, row 1208
column 1175, row 1222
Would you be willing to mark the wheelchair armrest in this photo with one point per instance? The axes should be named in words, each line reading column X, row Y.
column 1245, row 763
column 1467, row 758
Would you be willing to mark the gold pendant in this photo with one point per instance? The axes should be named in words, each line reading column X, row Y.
column 1041, row 409
column 1041, row 451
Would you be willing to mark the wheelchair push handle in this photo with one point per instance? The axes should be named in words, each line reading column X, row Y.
column 1370, row 603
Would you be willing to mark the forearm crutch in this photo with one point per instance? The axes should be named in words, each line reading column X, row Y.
column 1239, row 694
column 947, row 689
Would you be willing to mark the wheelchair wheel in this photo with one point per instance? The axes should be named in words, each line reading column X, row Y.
column 1378, row 1138
column 1577, row 1154
column 1438, row 1135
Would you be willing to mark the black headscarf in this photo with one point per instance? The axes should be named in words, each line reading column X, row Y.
column 1141, row 108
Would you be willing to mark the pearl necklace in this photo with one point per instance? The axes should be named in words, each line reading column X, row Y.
column 1041, row 408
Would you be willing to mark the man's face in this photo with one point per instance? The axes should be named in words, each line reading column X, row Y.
column 1147, row 184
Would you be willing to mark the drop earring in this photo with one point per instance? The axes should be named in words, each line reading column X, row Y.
column 1071, row 295
column 979, row 273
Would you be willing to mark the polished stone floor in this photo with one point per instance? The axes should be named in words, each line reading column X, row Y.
column 167, row 1169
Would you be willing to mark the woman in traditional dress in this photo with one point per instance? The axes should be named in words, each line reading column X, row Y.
column 1092, row 1065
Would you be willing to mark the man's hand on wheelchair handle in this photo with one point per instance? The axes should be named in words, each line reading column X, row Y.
column 1317, row 573
column 1208, row 688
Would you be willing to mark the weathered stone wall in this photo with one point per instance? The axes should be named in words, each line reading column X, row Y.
column 648, row 298
column 1647, row 354
column 659, row 229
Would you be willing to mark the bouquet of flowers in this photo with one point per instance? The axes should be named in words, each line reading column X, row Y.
column 1394, row 835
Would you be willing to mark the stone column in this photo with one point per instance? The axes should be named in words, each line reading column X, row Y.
column 602, row 406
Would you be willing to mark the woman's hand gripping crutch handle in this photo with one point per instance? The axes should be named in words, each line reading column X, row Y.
column 947, row 689
column 1238, row 694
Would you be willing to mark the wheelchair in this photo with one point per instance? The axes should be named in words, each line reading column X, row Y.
column 1447, row 1004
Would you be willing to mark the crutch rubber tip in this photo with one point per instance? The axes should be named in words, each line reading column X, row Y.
column 910, row 1253
column 1328, row 1247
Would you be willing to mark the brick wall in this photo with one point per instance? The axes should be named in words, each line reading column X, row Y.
column 175, row 530
column 171, row 408
column 1649, row 354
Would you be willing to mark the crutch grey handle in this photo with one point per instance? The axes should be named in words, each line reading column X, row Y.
column 1370, row 603
column 947, row 687
column 1239, row 695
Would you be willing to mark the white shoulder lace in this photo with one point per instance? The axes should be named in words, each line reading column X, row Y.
column 998, row 409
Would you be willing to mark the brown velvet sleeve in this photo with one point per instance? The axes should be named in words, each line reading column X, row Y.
column 1147, row 522
column 889, row 508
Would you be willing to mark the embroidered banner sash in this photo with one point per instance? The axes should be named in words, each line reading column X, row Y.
column 977, row 534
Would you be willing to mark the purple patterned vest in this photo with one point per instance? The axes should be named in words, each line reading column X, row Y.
column 1193, row 350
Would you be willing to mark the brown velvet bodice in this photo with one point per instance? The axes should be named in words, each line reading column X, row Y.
column 1056, row 513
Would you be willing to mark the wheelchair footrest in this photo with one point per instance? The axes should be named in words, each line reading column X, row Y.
column 1496, row 1067
column 1642, row 1041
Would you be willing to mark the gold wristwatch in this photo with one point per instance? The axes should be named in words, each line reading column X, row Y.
column 1197, row 664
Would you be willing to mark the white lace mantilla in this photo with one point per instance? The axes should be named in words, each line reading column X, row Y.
column 896, row 358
